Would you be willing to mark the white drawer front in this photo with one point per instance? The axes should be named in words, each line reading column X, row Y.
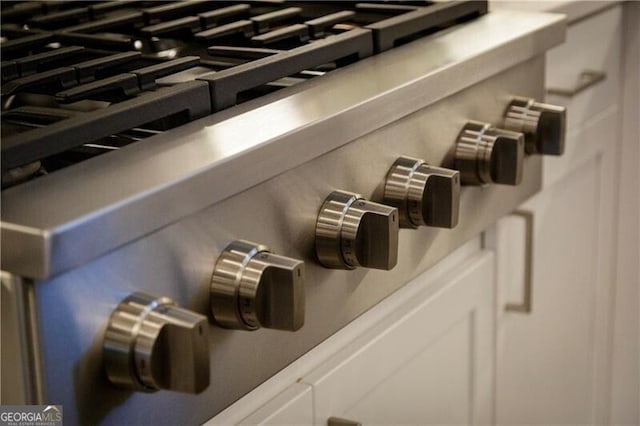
column 593, row 44
column 581, row 146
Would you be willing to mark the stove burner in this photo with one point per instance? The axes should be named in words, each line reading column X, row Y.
column 83, row 74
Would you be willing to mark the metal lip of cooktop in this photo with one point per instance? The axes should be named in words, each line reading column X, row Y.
column 55, row 219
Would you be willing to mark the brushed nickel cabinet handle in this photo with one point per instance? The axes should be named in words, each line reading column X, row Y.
column 336, row 421
column 587, row 79
column 525, row 306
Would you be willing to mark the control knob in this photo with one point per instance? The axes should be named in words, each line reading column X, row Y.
column 424, row 194
column 151, row 344
column 352, row 232
column 252, row 288
column 543, row 125
column 486, row 154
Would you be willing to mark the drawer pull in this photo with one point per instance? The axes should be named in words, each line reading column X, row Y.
column 525, row 306
column 587, row 79
column 336, row 421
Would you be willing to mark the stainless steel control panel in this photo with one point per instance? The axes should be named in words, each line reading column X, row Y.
column 178, row 262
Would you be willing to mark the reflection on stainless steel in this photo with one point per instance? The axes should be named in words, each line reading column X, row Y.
column 252, row 288
column 485, row 154
column 172, row 168
column 151, row 344
column 424, row 195
column 543, row 125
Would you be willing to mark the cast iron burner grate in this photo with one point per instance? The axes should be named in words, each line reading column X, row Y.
column 84, row 78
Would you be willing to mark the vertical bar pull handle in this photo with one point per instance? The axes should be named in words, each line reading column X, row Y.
column 525, row 306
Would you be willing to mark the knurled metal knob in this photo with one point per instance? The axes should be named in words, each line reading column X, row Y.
column 424, row 195
column 486, row 154
column 152, row 344
column 543, row 125
column 252, row 288
column 352, row 232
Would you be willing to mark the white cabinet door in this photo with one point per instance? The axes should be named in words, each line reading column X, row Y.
column 433, row 364
column 553, row 363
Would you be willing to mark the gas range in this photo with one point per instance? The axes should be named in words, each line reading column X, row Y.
column 195, row 194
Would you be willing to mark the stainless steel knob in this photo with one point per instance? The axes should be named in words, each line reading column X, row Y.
column 252, row 288
column 485, row 154
column 424, row 195
column 151, row 344
column 352, row 232
column 543, row 125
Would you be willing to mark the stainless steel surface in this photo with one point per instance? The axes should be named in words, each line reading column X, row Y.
column 574, row 10
column 352, row 232
column 486, row 154
column 178, row 260
column 12, row 379
column 140, row 189
column 252, row 288
column 525, row 306
column 424, row 195
column 22, row 382
column 586, row 79
column 151, row 344
column 543, row 125
column 336, row 421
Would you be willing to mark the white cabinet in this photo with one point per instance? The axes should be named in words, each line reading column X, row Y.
column 432, row 365
column 553, row 364
column 592, row 46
